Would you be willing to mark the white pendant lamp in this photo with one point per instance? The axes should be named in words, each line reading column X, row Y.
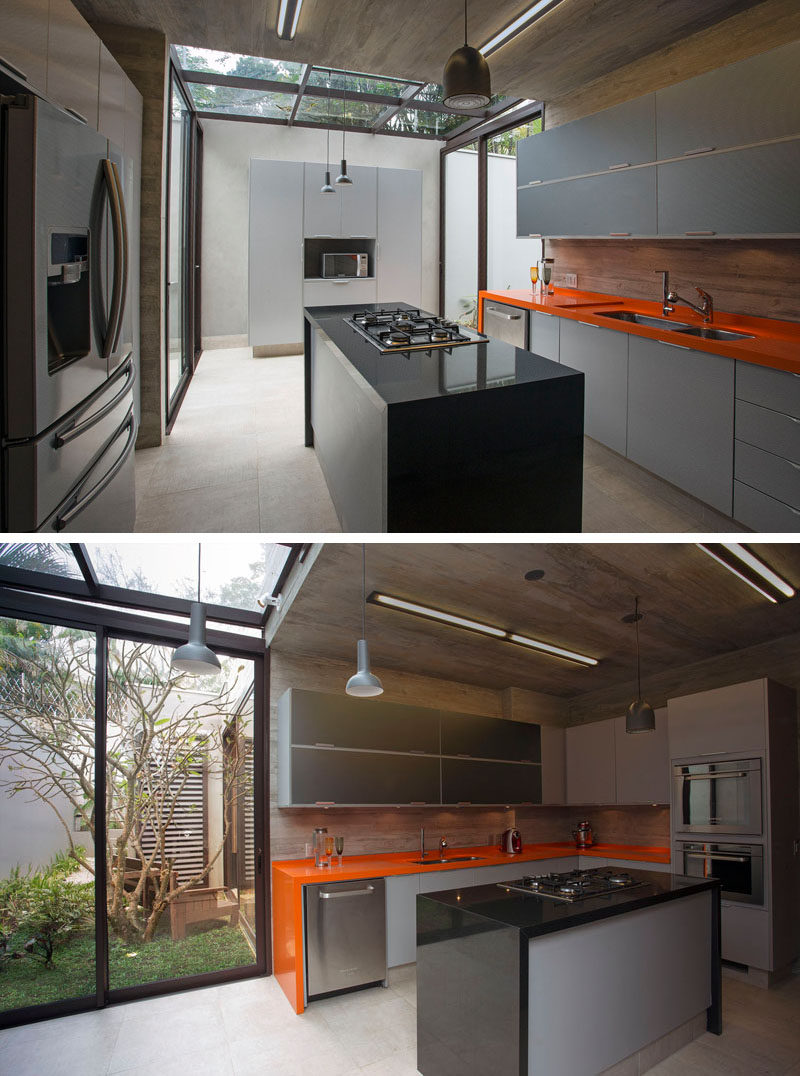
column 639, row 716
column 326, row 186
column 343, row 177
column 363, row 683
column 195, row 657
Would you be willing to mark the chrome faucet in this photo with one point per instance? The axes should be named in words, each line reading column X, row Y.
column 668, row 297
column 442, row 846
column 421, row 842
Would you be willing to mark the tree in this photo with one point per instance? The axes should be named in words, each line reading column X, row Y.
column 159, row 735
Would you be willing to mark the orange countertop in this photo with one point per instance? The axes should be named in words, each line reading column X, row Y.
column 775, row 343
column 290, row 875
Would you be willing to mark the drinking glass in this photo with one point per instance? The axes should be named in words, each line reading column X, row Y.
column 534, row 276
column 547, row 272
column 339, row 848
column 329, row 850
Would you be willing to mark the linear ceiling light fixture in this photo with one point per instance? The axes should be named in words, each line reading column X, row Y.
column 502, row 634
column 288, row 16
column 516, row 26
column 751, row 570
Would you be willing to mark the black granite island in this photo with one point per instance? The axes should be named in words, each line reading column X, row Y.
column 522, row 985
column 480, row 437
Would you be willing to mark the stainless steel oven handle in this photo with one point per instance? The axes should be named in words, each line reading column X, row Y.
column 128, row 371
column 64, row 520
column 710, row 776
column 325, row 895
column 717, row 855
column 120, row 228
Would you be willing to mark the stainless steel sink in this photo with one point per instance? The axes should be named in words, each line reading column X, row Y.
column 438, row 862
column 643, row 319
column 707, row 333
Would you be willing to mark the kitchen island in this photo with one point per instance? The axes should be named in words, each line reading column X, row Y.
column 477, row 437
column 523, row 984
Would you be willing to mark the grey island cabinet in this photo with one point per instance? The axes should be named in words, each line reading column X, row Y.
column 523, row 985
column 479, row 437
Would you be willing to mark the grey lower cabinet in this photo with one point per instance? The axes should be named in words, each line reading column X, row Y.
column 750, row 191
column 602, row 355
column 680, row 417
column 401, row 919
column 544, row 334
column 641, row 763
column 590, row 763
column 746, row 935
column 612, row 203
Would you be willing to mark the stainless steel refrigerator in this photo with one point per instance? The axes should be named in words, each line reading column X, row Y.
column 68, row 359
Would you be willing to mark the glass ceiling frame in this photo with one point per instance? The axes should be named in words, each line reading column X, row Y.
column 89, row 588
column 408, row 99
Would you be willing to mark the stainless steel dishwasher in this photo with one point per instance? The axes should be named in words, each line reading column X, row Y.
column 503, row 322
column 345, row 935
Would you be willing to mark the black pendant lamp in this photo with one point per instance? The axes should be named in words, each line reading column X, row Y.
column 326, row 186
column 639, row 716
column 363, row 683
column 195, row 657
column 466, row 81
column 343, row 177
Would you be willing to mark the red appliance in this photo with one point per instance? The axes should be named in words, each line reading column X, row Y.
column 511, row 841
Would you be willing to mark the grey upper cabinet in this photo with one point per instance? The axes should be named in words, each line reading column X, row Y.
column 111, row 110
column 275, row 278
column 750, row 101
column 320, row 776
column 615, row 203
column 590, row 763
column 399, row 235
column 467, row 780
column 323, row 720
column 602, row 355
column 725, row 719
column 23, row 39
column 741, row 192
column 473, row 736
column 642, row 762
column 554, row 764
column 680, row 417
column 359, row 203
column 322, row 212
column 619, row 136
column 73, row 62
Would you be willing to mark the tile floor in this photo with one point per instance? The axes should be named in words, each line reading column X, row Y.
column 235, row 461
column 248, row 1028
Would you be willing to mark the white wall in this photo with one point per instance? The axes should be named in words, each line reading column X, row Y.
column 460, row 232
column 508, row 259
column 31, row 834
column 227, row 149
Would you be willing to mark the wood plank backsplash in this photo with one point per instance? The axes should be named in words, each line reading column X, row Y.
column 760, row 277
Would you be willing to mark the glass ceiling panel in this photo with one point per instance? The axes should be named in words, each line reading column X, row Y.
column 231, row 101
column 234, row 574
column 355, row 82
column 419, row 122
column 54, row 558
column 232, row 63
column 351, row 113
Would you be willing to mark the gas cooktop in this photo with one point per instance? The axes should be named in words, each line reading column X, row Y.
column 410, row 330
column 573, row 885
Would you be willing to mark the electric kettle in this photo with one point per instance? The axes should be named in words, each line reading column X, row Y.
column 583, row 835
column 511, row 841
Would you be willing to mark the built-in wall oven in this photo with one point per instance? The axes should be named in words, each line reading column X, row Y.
column 721, row 796
column 739, row 867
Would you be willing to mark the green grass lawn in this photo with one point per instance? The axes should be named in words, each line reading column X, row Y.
column 27, row 982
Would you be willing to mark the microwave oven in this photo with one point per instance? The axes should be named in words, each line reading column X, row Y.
column 342, row 265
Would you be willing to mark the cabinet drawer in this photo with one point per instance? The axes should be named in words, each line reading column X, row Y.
column 777, row 389
column 745, row 936
column 545, row 331
column 771, row 474
column 339, row 292
column 762, row 512
column 770, row 430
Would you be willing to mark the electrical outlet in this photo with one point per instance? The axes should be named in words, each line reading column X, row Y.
column 308, row 850
column 570, row 280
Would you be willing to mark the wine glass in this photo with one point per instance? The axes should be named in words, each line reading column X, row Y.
column 329, row 850
column 339, row 841
column 534, row 277
column 547, row 272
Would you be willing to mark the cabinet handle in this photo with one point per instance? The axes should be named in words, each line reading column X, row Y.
column 340, row 281
column 499, row 314
column 700, row 149
column 534, row 235
column 614, row 167
column 533, row 182
column 358, row 237
column 619, row 233
column 324, row 745
column 709, row 232
column 416, row 751
column 418, row 803
column 324, row 894
column 544, row 314
column 682, row 347
column 324, row 803
column 74, row 112
column 464, row 803
column 590, row 325
column 13, row 69
column 320, row 235
column 462, row 755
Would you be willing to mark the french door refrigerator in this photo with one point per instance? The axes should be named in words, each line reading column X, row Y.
column 68, row 360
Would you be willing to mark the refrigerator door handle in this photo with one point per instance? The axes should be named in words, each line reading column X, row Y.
column 64, row 519
column 128, row 372
column 120, row 227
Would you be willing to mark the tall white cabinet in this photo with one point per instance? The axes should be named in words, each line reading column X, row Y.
column 382, row 209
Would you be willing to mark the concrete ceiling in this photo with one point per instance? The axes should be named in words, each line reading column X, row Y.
column 695, row 612
column 580, row 40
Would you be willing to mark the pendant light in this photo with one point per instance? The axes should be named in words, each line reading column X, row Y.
column 466, row 80
column 195, row 657
column 639, row 716
column 363, row 683
column 326, row 186
column 343, row 177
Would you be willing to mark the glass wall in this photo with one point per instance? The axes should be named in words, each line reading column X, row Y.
column 461, row 235
column 47, row 838
column 178, row 279
column 508, row 259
